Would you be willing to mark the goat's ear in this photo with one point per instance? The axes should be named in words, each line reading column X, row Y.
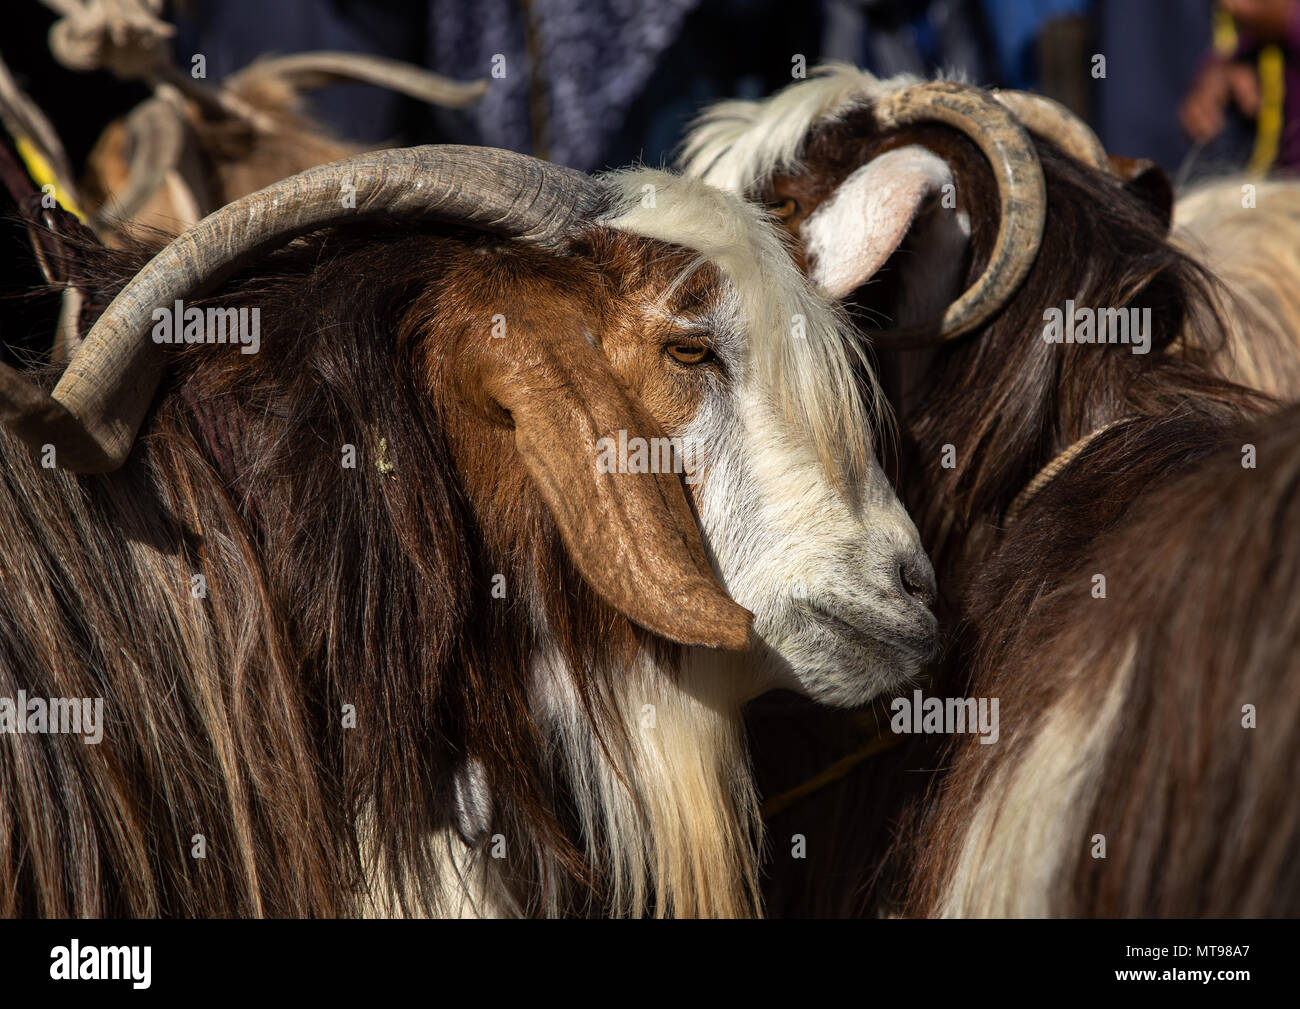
column 848, row 238
column 633, row 536
column 1146, row 180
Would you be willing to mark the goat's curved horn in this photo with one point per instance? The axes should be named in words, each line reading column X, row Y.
column 24, row 119
column 156, row 136
column 1021, row 189
column 307, row 71
column 1052, row 120
column 95, row 410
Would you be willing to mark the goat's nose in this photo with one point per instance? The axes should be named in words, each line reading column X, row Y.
column 916, row 578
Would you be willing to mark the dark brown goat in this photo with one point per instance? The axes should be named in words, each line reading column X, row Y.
column 1121, row 700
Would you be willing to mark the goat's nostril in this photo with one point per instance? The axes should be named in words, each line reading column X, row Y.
column 917, row 579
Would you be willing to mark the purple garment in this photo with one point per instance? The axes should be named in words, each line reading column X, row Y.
column 1248, row 48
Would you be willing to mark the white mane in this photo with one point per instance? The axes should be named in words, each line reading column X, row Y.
column 735, row 144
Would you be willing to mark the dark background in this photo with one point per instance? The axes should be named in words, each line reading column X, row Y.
column 605, row 83
column 635, row 72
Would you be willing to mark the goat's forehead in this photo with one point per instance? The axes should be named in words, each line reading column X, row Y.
column 674, row 279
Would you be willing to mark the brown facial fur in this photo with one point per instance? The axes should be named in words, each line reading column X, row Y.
column 565, row 376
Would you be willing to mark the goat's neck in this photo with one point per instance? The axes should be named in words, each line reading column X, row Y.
column 962, row 509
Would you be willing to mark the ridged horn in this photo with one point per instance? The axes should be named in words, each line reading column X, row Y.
column 155, row 131
column 1050, row 119
column 96, row 409
column 307, row 71
column 1021, row 189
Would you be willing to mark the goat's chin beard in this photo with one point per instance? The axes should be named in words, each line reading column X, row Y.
column 668, row 804
column 663, row 793
column 879, row 681
column 847, row 674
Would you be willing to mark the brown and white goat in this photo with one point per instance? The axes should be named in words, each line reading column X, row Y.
column 482, row 672
column 1116, row 529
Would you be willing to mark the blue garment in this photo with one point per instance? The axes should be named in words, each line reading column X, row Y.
column 230, row 34
column 1154, row 51
column 921, row 37
column 1015, row 26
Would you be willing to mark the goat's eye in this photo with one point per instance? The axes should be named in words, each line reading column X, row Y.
column 689, row 353
column 784, row 209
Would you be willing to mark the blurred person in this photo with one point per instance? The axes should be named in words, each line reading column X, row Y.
column 1254, row 68
column 585, row 83
column 1153, row 51
column 1017, row 28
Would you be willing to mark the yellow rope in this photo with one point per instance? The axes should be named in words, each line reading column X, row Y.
column 42, row 174
column 1271, row 68
column 1272, row 94
column 1225, row 33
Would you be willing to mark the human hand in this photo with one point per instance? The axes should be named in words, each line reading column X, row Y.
column 1202, row 111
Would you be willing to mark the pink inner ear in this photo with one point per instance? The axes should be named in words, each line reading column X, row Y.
column 849, row 237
